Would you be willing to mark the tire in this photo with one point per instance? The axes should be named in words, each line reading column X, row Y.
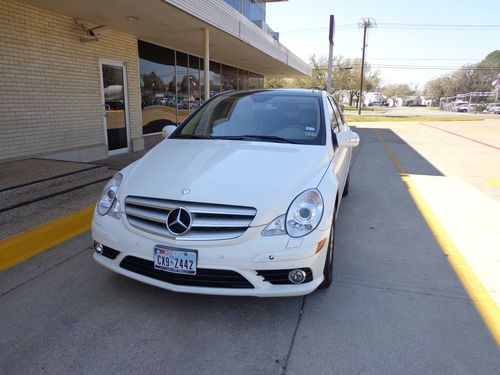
column 346, row 186
column 328, row 269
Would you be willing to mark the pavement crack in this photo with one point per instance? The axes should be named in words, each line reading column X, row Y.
column 45, row 271
column 284, row 364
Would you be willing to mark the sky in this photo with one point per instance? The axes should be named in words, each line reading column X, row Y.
column 303, row 28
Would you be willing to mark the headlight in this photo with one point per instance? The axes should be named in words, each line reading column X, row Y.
column 303, row 216
column 275, row 227
column 304, row 213
column 108, row 195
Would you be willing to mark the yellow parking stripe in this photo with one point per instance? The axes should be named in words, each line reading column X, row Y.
column 492, row 182
column 487, row 308
column 22, row 246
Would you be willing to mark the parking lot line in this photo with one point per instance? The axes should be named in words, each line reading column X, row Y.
column 487, row 308
column 22, row 246
column 462, row 136
column 492, row 181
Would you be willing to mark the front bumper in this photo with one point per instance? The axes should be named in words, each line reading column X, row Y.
column 245, row 255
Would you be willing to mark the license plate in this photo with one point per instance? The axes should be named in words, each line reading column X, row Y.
column 175, row 260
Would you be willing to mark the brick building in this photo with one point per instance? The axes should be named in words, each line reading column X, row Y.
column 80, row 80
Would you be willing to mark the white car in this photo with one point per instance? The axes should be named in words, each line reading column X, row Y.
column 240, row 199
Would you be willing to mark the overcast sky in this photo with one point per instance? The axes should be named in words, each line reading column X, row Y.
column 420, row 52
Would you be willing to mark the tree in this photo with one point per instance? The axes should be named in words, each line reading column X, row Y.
column 319, row 71
column 470, row 78
column 398, row 90
column 347, row 77
column 277, row 83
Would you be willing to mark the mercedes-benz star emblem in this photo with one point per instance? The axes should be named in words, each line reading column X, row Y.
column 179, row 221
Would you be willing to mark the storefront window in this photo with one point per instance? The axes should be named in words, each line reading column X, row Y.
column 255, row 81
column 194, row 83
column 229, row 78
column 182, row 86
column 215, row 78
column 173, row 86
column 242, row 79
column 157, row 69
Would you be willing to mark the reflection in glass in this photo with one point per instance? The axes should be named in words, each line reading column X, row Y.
column 173, row 84
column 202, row 80
column 182, row 86
column 255, row 81
column 215, row 78
column 229, row 78
column 157, row 67
column 242, row 79
column 194, row 83
column 114, row 102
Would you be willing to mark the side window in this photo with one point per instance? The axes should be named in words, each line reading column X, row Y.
column 335, row 118
column 338, row 113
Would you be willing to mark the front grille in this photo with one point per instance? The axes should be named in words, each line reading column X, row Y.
column 210, row 221
column 280, row 277
column 208, row 278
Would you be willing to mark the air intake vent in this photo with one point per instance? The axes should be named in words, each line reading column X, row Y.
column 209, row 278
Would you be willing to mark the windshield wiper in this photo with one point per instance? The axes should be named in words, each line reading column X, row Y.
column 247, row 137
column 182, row 136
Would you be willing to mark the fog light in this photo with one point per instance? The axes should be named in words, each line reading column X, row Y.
column 98, row 247
column 297, row 276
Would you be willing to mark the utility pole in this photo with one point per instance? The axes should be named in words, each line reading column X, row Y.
column 366, row 24
column 330, row 55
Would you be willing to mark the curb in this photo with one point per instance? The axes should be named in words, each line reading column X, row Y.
column 22, row 246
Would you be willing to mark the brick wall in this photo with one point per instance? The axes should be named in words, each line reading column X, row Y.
column 50, row 93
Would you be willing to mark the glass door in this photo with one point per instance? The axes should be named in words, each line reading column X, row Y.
column 115, row 106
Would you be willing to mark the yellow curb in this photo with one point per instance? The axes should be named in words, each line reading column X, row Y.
column 487, row 308
column 22, row 246
column 492, row 182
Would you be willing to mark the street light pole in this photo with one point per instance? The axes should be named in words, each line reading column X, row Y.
column 330, row 55
column 366, row 24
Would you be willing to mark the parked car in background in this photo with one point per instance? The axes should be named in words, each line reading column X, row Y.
column 463, row 107
column 241, row 199
column 493, row 108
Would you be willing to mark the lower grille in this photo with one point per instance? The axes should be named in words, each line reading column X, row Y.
column 208, row 278
column 280, row 277
column 109, row 252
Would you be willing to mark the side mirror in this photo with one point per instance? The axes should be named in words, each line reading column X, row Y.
column 347, row 138
column 168, row 130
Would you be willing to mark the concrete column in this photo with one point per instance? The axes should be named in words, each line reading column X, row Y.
column 206, row 62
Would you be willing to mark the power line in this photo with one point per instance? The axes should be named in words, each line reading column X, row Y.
column 409, row 26
column 410, row 67
column 421, row 59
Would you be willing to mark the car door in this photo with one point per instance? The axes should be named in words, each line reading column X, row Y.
column 340, row 158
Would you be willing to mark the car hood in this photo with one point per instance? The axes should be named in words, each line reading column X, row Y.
column 263, row 175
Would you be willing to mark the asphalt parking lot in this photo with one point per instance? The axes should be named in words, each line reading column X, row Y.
column 396, row 305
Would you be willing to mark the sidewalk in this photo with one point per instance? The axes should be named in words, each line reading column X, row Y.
column 45, row 202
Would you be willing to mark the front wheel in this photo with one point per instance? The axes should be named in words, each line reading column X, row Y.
column 328, row 269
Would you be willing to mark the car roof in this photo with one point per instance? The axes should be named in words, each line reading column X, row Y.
column 291, row 92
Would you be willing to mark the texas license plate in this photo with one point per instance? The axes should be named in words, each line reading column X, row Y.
column 175, row 260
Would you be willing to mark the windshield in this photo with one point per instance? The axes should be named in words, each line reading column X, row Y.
column 267, row 116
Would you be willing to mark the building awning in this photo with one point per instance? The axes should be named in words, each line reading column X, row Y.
column 179, row 24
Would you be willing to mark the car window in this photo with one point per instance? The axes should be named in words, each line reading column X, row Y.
column 338, row 113
column 334, row 117
column 258, row 115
